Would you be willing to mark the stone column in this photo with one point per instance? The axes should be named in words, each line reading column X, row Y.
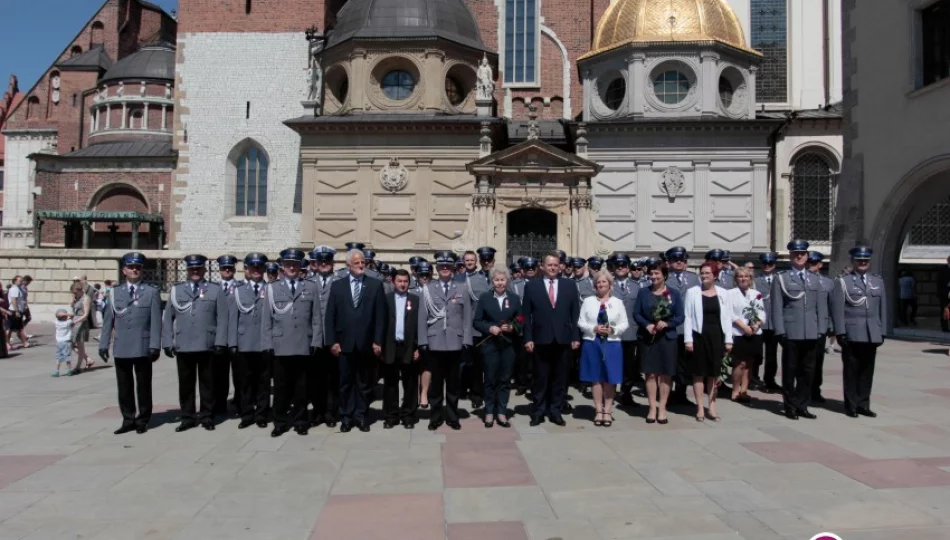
column 145, row 118
column 760, row 205
column 86, row 226
column 109, row 116
column 98, row 110
column 135, row 234
column 644, row 223
column 124, row 115
column 750, row 91
column 636, row 76
column 708, row 82
column 164, row 122
column 701, row 205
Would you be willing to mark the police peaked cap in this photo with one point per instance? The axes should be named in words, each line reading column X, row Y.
column 292, row 254
column 133, row 257
column 445, row 257
column 768, row 257
column 529, row 262
column 861, row 252
column 355, row 245
column 815, row 257
column 714, row 255
column 255, row 259
column 193, row 261
column 272, row 267
column 226, row 261
column 595, row 262
column 486, row 253
column 676, row 253
column 797, row 245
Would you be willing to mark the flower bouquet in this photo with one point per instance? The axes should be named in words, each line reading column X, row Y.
column 726, row 370
column 602, row 321
column 751, row 312
column 663, row 309
column 517, row 327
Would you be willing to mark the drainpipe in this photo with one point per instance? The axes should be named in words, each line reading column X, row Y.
column 826, row 52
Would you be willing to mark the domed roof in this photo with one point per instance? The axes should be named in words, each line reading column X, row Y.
column 668, row 21
column 149, row 62
column 406, row 19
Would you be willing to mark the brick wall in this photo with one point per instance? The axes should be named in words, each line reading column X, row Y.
column 265, row 15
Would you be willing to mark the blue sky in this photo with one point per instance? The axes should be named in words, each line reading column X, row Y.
column 34, row 32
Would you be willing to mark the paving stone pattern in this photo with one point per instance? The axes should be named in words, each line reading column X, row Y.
column 755, row 475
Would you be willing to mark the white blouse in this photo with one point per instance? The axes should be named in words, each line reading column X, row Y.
column 694, row 313
column 616, row 317
column 740, row 302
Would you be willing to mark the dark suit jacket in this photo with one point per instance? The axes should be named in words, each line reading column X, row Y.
column 488, row 314
column 414, row 319
column 356, row 329
column 643, row 312
column 546, row 325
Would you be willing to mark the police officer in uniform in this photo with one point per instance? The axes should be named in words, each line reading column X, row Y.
column 272, row 271
column 859, row 312
column 725, row 279
column 223, row 361
column 371, row 265
column 323, row 377
column 252, row 370
column 637, row 273
column 291, row 333
column 799, row 315
column 682, row 280
column 134, row 317
column 585, row 283
column 195, row 330
column 814, row 265
column 477, row 282
column 763, row 283
column 515, row 270
column 627, row 290
column 448, row 305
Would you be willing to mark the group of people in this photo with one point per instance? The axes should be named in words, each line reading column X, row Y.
column 15, row 314
column 305, row 343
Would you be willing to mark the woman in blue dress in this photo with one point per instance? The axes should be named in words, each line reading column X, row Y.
column 602, row 321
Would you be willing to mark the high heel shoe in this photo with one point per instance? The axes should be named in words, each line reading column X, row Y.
column 598, row 420
column 608, row 420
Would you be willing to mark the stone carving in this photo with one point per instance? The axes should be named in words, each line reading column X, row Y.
column 483, row 200
column 121, row 91
column 672, row 182
column 314, row 72
column 168, row 91
column 98, row 96
column 394, row 177
column 534, row 130
column 485, row 86
column 55, row 84
column 142, row 89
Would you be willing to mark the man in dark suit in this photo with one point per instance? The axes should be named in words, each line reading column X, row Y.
column 551, row 307
column 407, row 316
column 356, row 327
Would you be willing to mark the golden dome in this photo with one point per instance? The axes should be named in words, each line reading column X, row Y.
column 665, row 21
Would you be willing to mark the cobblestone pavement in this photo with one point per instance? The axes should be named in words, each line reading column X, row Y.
column 753, row 476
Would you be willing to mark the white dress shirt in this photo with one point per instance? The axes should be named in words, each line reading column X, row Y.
column 400, row 316
column 501, row 299
column 547, row 283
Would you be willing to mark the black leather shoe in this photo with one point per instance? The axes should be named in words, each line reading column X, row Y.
column 567, row 408
column 364, row 427
column 558, row 421
column 772, row 388
column 536, row 421
column 477, row 403
column 346, row 427
column 302, row 430
column 850, row 413
column 791, row 415
column 209, row 426
column 278, row 431
column 454, row 425
column 141, row 429
column 389, row 424
column 331, row 423
column 818, row 398
column 808, row 415
column 245, row 424
column 505, row 424
column 521, row 391
column 409, row 424
column 262, row 424
column 185, row 426
column 434, row 425
column 867, row 412
column 124, row 429
column 488, row 424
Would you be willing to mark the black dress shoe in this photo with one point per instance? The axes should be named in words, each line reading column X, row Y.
column 389, row 424
column 791, row 415
column 536, row 421
column 434, row 425
column 245, row 424
column 558, row 421
column 124, row 429
column 209, row 426
column 454, row 425
column 184, row 426
column 346, row 427
column 521, row 391
column 278, row 431
column 477, row 403
column 505, row 424
column 488, row 424
column 818, row 398
column 331, row 423
column 262, row 424
column 141, row 429
column 302, row 430
column 850, row 413
column 867, row 412
column 364, row 427
column 567, row 408
column 808, row 415
column 409, row 424
column 772, row 388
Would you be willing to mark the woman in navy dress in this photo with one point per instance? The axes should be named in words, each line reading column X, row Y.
column 657, row 312
column 602, row 321
column 495, row 314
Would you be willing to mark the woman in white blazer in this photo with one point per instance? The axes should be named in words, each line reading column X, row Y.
column 747, row 306
column 708, row 336
column 603, row 320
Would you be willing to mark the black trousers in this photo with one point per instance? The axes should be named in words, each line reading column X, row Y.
column 290, row 392
column 472, row 371
column 499, row 360
column 819, row 378
column 771, row 357
column 253, row 369
column 524, row 361
column 446, row 367
column 222, row 384
column 323, row 386
column 134, row 375
column 858, row 374
column 550, row 378
column 631, row 366
column 356, row 385
column 196, row 366
column 683, row 377
column 798, row 372
column 409, row 373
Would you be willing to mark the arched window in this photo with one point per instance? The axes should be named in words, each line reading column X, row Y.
column 95, row 37
column 75, row 51
column 135, row 119
column 32, row 108
column 250, row 193
column 813, row 198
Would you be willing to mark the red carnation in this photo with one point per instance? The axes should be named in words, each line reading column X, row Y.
column 758, row 296
column 666, row 293
column 520, row 319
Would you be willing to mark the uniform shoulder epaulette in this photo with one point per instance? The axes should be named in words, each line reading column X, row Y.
column 782, row 272
column 878, row 276
column 215, row 283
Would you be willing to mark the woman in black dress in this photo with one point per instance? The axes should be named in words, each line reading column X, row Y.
column 708, row 336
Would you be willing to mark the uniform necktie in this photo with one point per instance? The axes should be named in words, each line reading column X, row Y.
column 864, row 279
column 551, row 291
column 445, row 288
column 256, row 289
column 195, row 287
column 132, row 291
column 768, row 279
column 293, row 287
column 623, row 286
column 356, row 292
column 801, row 275
column 679, row 277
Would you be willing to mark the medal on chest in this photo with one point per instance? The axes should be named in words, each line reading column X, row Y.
column 408, row 305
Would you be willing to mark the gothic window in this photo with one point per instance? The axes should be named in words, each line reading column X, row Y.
column 935, row 46
column 770, row 37
column 135, row 119
column 521, row 41
column 813, row 198
column 32, row 108
column 250, row 193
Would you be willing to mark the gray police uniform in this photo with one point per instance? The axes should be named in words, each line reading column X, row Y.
column 222, row 363
column 292, row 323
column 627, row 291
column 473, row 366
column 682, row 282
column 135, row 324
column 193, row 325
column 859, row 314
column 323, row 377
column 799, row 311
column 763, row 284
column 448, row 330
column 585, row 287
column 252, row 370
column 826, row 285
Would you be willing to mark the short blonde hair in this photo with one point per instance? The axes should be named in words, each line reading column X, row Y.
column 603, row 274
column 743, row 271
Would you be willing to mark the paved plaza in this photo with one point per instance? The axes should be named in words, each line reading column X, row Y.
column 753, row 476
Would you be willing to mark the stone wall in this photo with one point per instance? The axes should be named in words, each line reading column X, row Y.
column 53, row 273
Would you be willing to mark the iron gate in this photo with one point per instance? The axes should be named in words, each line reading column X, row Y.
column 164, row 273
column 530, row 245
